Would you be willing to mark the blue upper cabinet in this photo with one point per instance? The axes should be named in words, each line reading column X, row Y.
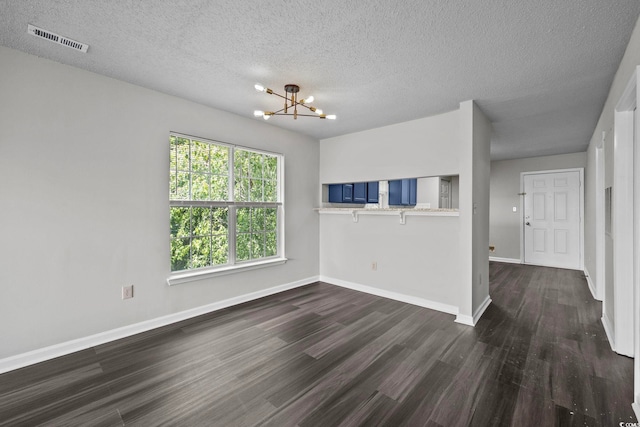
column 347, row 193
column 335, row 193
column 395, row 192
column 372, row 192
column 340, row 193
column 360, row 192
column 402, row 192
column 413, row 191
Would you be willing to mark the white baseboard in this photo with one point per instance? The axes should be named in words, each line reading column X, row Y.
column 592, row 287
column 636, row 408
column 57, row 350
column 472, row 320
column 420, row 302
column 606, row 324
column 507, row 260
column 465, row 319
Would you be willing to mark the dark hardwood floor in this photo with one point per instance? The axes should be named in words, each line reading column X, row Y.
column 323, row 355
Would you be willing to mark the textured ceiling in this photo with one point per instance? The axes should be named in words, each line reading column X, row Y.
column 540, row 69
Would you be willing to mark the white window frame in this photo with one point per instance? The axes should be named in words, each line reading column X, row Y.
column 234, row 266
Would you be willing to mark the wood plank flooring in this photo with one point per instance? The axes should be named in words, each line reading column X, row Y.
column 321, row 355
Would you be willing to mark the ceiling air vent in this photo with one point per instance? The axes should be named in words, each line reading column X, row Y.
column 53, row 37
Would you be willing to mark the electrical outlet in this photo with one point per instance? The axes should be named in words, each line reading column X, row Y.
column 127, row 292
column 374, row 266
column 492, row 248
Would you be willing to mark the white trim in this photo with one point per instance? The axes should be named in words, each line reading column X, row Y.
column 232, row 205
column 636, row 283
column 606, row 324
column 522, row 210
column 629, row 98
column 590, row 284
column 599, row 221
column 401, row 213
column 552, row 171
column 389, row 211
column 480, row 310
column 201, row 274
column 224, row 143
column 464, row 319
column 40, row 355
column 522, row 194
column 507, row 260
column 409, row 299
column 226, row 204
column 623, row 220
column 281, row 210
column 548, row 264
column 472, row 320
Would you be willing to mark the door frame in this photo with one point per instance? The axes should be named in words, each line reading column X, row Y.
column 600, row 278
column 624, row 221
column 581, row 196
column 626, row 199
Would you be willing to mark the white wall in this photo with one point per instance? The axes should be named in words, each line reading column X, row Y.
column 505, row 186
column 455, row 192
column 431, row 258
column 418, row 259
column 428, row 191
column 630, row 61
column 423, row 147
column 475, row 133
column 481, row 142
column 608, row 307
column 84, row 188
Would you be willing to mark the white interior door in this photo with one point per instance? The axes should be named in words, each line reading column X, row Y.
column 552, row 220
column 445, row 193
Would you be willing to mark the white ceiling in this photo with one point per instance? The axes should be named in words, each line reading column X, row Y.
column 540, row 70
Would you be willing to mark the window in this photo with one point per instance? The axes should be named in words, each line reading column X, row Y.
column 225, row 205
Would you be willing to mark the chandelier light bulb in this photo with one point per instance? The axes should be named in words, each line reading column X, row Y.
column 308, row 100
column 259, row 88
column 258, row 113
column 331, row 117
column 318, row 111
column 266, row 116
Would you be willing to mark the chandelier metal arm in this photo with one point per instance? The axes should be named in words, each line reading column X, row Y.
column 278, row 112
column 290, row 114
column 309, row 115
column 291, row 102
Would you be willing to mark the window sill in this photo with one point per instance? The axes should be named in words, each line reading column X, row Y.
column 190, row 276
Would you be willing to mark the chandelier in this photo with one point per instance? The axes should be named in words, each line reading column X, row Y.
column 291, row 102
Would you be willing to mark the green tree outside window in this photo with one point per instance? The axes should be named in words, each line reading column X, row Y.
column 199, row 190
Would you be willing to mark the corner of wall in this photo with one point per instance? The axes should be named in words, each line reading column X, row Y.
column 474, row 207
column 465, row 198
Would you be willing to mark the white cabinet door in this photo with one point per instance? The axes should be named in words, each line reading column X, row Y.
column 552, row 220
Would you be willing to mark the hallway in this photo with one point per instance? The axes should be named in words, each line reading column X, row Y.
column 548, row 323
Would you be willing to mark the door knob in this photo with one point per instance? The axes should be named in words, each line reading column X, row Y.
column 527, row 223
